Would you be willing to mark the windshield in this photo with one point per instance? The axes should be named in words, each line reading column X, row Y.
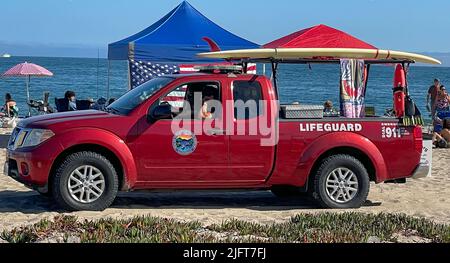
column 137, row 96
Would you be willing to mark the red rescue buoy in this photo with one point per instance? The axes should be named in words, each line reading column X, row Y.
column 399, row 91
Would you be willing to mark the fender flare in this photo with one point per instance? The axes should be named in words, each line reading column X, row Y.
column 332, row 141
column 107, row 140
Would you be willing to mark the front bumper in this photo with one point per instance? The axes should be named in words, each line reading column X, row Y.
column 422, row 171
column 10, row 169
column 38, row 162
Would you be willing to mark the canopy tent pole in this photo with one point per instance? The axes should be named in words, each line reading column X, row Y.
column 109, row 69
column 264, row 69
column 129, row 74
column 274, row 77
column 98, row 70
column 28, row 79
column 367, row 76
column 245, row 67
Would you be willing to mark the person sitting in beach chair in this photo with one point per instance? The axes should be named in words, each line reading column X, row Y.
column 71, row 97
column 10, row 108
column 441, row 135
column 329, row 110
column 69, row 103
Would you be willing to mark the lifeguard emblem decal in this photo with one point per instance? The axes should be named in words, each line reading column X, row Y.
column 184, row 142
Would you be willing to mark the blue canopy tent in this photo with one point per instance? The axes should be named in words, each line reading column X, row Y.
column 176, row 38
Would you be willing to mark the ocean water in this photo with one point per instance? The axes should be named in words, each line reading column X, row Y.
column 308, row 85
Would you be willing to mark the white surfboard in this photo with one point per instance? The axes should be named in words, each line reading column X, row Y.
column 310, row 53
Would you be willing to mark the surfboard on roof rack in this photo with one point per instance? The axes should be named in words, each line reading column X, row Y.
column 280, row 54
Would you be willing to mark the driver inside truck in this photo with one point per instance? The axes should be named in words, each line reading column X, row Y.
column 207, row 109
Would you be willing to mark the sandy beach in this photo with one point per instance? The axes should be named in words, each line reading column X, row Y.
column 428, row 198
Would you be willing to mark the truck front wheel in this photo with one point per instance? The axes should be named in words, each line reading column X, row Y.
column 85, row 181
column 341, row 182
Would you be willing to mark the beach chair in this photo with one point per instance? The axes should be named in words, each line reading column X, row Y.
column 370, row 111
column 440, row 116
column 62, row 105
column 83, row 105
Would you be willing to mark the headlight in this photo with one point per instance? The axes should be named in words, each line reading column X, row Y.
column 33, row 137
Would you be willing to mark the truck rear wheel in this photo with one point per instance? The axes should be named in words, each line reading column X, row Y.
column 341, row 182
column 85, row 181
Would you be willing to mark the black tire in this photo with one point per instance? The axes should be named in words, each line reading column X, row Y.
column 46, row 195
column 287, row 192
column 329, row 165
column 60, row 181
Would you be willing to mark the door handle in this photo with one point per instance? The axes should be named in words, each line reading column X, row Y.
column 216, row 132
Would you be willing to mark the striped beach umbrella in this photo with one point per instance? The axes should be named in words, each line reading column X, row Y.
column 27, row 70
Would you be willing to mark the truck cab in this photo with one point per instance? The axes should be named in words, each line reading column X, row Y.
column 213, row 131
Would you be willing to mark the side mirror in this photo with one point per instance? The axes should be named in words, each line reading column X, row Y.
column 161, row 112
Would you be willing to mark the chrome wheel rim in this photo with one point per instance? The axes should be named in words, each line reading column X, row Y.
column 342, row 185
column 86, row 184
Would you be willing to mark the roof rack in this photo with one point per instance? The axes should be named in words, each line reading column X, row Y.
column 220, row 69
column 324, row 61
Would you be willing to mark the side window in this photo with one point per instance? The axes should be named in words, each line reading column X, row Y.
column 196, row 100
column 247, row 99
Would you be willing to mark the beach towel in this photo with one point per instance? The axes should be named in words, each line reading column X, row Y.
column 353, row 88
column 14, row 111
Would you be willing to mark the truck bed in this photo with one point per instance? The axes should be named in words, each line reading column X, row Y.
column 377, row 139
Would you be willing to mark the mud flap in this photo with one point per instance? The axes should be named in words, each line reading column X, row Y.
column 398, row 181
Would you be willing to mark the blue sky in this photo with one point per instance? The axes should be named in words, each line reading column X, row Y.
column 400, row 24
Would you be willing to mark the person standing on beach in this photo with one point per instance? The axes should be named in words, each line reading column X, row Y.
column 442, row 101
column 433, row 92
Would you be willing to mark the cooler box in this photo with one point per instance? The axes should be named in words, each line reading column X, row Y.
column 302, row 111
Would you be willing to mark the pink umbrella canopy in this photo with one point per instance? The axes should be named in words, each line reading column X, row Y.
column 27, row 69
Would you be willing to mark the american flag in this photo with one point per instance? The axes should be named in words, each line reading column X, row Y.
column 142, row 71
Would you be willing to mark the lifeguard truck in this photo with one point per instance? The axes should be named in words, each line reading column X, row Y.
column 144, row 142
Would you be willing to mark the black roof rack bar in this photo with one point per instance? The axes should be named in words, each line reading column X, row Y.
column 317, row 61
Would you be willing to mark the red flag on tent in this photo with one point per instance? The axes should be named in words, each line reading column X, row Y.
column 320, row 36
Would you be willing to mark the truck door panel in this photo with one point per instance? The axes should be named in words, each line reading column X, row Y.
column 249, row 160
column 161, row 162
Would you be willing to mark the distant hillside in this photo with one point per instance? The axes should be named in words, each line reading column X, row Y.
column 443, row 57
column 40, row 50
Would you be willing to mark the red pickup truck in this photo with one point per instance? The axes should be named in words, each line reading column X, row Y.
column 82, row 159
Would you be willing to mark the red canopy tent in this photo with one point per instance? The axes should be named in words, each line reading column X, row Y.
column 320, row 36
column 323, row 36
